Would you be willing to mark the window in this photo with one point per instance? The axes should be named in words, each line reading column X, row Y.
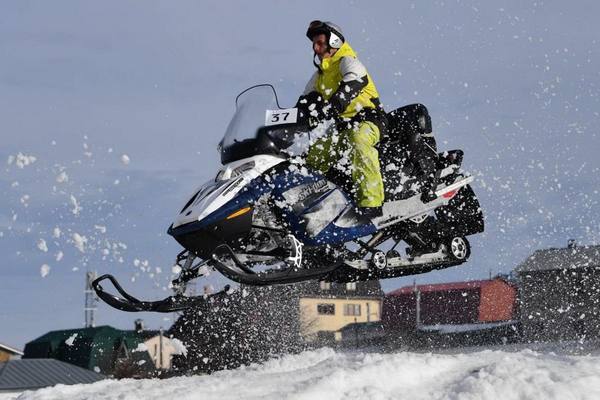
column 324, row 285
column 352, row 309
column 351, row 286
column 326, row 309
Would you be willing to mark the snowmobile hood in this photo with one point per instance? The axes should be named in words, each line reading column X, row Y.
column 230, row 180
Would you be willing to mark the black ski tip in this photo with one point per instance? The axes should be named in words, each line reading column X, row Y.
column 169, row 304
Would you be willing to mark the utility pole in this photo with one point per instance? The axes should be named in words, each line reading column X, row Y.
column 355, row 333
column 160, row 348
column 417, row 294
column 90, row 300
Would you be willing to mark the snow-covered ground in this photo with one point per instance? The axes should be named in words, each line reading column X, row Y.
column 327, row 374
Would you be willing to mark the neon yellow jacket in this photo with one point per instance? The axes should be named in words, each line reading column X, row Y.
column 345, row 82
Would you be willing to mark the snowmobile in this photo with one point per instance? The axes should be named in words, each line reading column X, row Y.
column 266, row 218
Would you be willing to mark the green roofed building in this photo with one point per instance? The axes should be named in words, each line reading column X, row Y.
column 102, row 349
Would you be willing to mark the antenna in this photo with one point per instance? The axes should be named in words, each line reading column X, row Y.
column 90, row 300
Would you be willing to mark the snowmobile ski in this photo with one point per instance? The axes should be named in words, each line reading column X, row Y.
column 169, row 304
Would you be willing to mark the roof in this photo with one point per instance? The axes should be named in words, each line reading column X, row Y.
column 564, row 258
column 64, row 334
column 444, row 287
column 145, row 335
column 9, row 349
column 19, row 375
column 85, row 347
column 461, row 328
column 364, row 289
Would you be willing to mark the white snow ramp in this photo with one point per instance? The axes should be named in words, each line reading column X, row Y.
column 326, row 374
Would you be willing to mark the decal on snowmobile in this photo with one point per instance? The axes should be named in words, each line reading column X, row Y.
column 301, row 197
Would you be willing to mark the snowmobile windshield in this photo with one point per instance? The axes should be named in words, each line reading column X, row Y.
column 258, row 126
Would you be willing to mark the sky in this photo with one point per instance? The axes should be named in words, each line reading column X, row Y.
column 110, row 113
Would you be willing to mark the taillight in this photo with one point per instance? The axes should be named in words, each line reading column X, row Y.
column 450, row 194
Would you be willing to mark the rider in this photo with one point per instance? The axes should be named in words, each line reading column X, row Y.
column 341, row 89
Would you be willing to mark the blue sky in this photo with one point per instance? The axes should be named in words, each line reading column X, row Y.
column 515, row 84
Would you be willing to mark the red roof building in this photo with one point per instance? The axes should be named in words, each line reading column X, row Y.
column 457, row 303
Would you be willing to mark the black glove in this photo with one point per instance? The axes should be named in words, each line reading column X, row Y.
column 306, row 100
column 315, row 108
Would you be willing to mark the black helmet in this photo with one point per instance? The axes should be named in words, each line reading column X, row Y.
column 334, row 35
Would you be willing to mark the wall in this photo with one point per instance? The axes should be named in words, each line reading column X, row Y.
column 153, row 345
column 313, row 322
column 491, row 301
column 498, row 302
column 457, row 306
column 4, row 356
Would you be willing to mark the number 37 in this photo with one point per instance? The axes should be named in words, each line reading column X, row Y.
column 276, row 117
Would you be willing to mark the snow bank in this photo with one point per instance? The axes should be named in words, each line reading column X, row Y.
column 326, row 374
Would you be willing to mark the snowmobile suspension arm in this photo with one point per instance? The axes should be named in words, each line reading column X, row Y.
column 369, row 247
column 188, row 271
column 241, row 273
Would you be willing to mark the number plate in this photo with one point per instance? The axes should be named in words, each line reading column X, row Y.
column 284, row 116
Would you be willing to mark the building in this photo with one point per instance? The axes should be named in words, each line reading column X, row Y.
column 327, row 307
column 20, row 375
column 451, row 312
column 560, row 293
column 102, row 349
column 8, row 353
column 161, row 348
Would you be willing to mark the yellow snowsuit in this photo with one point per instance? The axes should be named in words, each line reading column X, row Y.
column 352, row 148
